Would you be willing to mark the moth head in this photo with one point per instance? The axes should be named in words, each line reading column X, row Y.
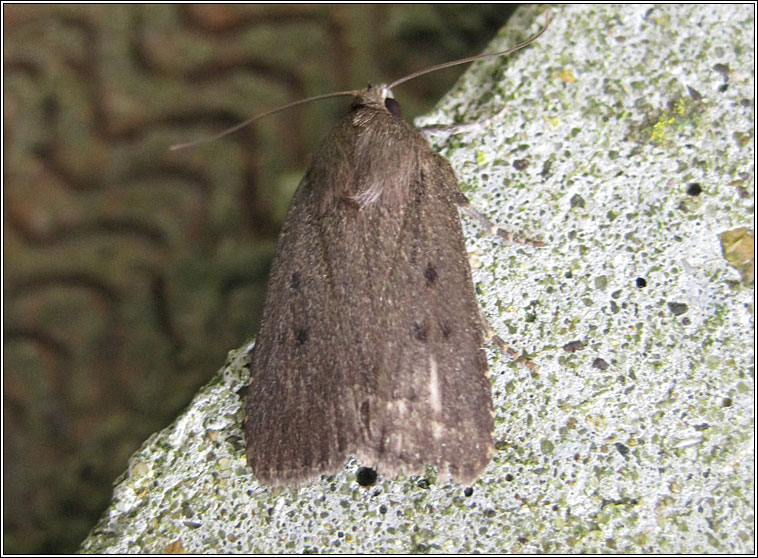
column 378, row 96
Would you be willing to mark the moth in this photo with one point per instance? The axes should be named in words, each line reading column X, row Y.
column 371, row 339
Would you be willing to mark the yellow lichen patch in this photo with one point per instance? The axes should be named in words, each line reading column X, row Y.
column 566, row 76
column 738, row 246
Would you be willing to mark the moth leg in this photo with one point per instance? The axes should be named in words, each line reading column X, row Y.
column 461, row 128
column 492, row 336
column 462, row 201
column 497, row 230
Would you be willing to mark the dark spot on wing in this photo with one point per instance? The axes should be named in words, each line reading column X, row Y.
column 430, row 273
column 301, row 336
column 295, row 281
column 420, row 332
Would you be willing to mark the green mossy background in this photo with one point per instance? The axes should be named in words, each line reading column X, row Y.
column 129, row 271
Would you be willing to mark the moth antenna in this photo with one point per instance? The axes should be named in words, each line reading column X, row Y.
column 477, row 57
column 249, row 121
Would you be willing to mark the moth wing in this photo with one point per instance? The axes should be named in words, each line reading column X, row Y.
column 435, row 400
column 301, row 412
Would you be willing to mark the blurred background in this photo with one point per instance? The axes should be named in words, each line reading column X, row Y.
column 129, row 271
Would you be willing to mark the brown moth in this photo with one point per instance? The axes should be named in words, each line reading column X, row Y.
column 371, row 340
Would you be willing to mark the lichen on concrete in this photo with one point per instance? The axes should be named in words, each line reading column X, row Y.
column 635, row 434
